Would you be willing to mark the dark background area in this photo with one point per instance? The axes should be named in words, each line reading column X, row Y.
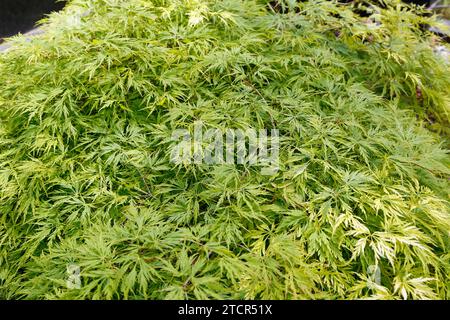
column 21, row 15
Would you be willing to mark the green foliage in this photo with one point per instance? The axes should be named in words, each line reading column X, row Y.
column 86, row 116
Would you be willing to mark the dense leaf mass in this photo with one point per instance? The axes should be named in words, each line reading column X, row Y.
column 87, row 112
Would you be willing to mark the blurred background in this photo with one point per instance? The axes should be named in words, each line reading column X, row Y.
column 21, row 15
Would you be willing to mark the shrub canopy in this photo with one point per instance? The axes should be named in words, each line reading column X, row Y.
column 87, row 111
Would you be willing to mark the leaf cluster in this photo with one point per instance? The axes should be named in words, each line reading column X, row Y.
column 86, row 116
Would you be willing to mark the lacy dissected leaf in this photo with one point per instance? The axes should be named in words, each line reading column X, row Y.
column 358, row 208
